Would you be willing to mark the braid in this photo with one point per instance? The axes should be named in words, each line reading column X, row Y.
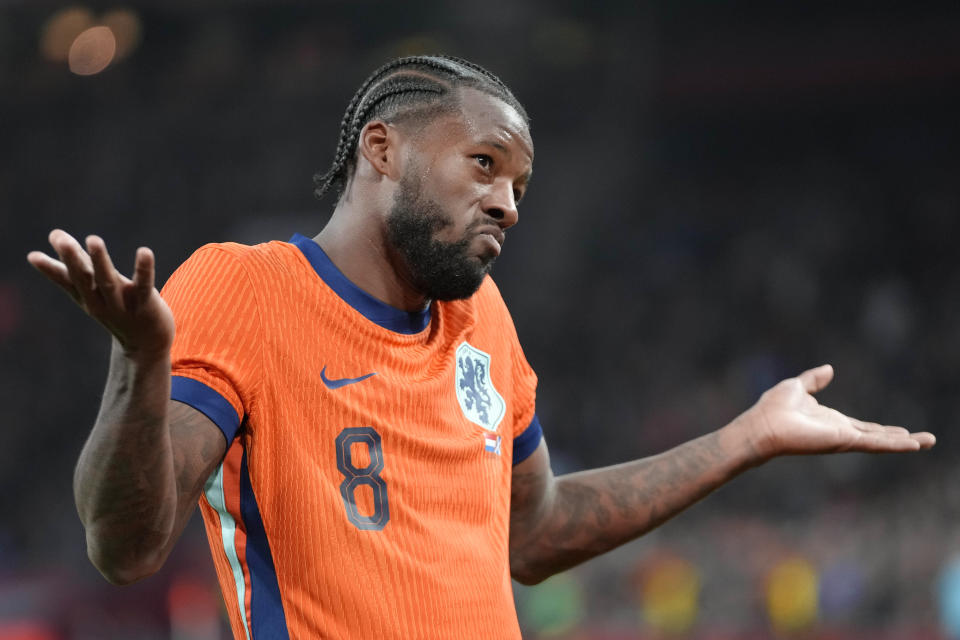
column 327, row 180
column 475, row 67
column 402, row 87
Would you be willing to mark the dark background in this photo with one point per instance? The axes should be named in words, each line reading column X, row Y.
column 724, row 195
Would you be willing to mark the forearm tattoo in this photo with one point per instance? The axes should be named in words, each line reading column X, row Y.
column 590, row 512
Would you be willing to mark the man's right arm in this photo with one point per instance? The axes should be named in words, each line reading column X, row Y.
column 142, row 470
column 144, row 465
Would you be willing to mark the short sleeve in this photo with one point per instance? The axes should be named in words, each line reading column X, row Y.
column 217, row 346
column 524, row 388
column 524, row 426
column 527, row 431
column 528, row 441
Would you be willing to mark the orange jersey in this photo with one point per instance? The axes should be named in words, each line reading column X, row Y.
column 365, row 492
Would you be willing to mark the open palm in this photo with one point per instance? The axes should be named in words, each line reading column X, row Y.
column 130, row 308
column 788, row 420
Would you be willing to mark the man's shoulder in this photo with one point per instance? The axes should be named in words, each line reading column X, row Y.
column 231, row 264
column 265, row 258
column 246, row 253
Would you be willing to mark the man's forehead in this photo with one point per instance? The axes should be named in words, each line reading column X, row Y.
column 488, row 118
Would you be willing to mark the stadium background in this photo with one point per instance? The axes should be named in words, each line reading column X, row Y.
column 724, row 195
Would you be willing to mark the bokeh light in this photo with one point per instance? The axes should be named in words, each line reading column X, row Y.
column 948, row 596
column 126, row 28
column 555, row 606
column 670, row 595
column 92, row 51
column 60, row 31
column 194, row 607
column 792, row 595
column 87, row 43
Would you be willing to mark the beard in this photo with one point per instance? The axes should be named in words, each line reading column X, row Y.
column 440, row 270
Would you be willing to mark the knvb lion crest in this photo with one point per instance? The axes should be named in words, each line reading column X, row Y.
column 479, row 401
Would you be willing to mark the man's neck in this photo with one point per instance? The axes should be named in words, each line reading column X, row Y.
column 355, row 242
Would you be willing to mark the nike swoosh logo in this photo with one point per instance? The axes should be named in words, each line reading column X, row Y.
column 342, row 382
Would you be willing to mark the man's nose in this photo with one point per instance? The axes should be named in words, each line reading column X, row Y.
column 501, row 205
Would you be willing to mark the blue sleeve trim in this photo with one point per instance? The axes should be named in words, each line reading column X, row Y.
column 528, row 441
column 208, row 402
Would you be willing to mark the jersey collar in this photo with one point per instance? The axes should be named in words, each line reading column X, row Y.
column 372, row 309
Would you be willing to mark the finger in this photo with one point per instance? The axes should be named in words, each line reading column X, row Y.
column 76, row 260
column 143, row 273
column 54, row 270
column 924, row 438
column 104, row 273
column 815, row 379
column 879, row 438
column 884, row 443
column 62, row 241
column 879, row 428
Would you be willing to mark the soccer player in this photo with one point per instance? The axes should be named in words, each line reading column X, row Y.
column 354, row 412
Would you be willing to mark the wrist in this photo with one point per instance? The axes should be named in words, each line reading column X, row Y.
column 140, row 358
column 744, row 437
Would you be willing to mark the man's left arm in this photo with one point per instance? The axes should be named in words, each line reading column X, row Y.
column 558, row 522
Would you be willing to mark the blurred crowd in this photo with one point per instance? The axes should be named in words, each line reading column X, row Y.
column 720, row 200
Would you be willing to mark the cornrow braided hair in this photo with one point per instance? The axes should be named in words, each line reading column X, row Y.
column 405, row 88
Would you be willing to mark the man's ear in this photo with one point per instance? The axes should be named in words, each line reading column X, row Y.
column 380, row 144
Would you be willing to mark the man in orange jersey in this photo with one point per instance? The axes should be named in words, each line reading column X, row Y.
column 354, row 413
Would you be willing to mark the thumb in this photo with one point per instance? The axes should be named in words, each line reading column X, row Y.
column 815, row 379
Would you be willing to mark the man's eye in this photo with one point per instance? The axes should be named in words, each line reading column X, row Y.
column 484, row 160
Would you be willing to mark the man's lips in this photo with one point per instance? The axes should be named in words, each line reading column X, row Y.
column 495, row 236
column 494, row 232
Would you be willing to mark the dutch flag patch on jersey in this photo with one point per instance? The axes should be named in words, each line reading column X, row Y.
column 491, row 442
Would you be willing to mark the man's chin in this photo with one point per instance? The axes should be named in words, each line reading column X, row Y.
column 485, row 263
column 459, row 286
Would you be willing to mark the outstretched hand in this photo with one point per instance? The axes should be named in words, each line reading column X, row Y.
column 788, row 420
column 131, row 309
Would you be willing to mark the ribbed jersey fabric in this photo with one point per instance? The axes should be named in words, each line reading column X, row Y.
column 365, row 491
